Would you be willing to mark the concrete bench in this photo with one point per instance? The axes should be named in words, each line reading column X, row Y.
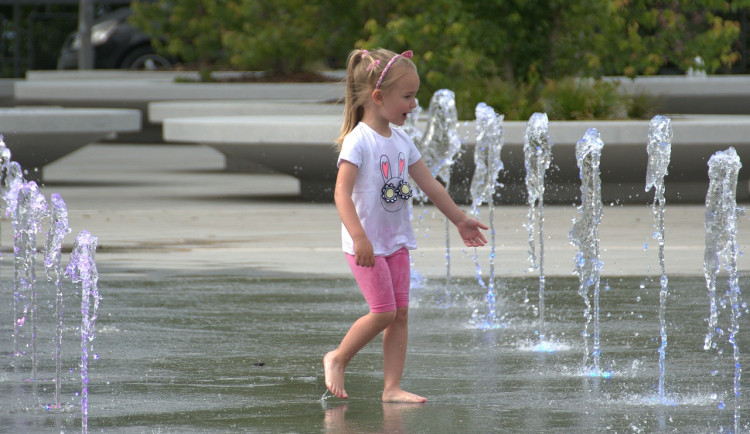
column 131, row 91
column 160, row 110
column 302, row 146
column 168, row 76
column 6, row 92
column 37, row 136
column 715, row 94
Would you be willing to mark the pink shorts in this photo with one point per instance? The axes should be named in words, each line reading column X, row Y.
column 386, row 285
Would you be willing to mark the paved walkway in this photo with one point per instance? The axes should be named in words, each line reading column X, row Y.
column 171, row 207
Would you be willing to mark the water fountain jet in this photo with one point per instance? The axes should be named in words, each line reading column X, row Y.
column 82, row 269
column 439, row 146
column 487, row 163
column 659, row 149
column 11, row 185
column 58, row 229
column 585, row 236
column 538, row 157
column 721, row 253
column 32, row 208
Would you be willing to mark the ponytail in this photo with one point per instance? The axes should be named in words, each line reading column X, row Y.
column 366, row 71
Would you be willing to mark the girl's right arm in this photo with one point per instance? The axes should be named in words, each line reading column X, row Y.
column 363, row 252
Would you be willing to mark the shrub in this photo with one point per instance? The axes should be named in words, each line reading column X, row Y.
column 512, row 54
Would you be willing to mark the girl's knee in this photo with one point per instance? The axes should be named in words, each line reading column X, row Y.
column 401, row 314
column 386, row 318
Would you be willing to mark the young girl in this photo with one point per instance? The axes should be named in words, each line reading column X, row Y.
column 372, row 189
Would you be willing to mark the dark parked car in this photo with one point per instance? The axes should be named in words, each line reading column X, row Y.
column 117, row 45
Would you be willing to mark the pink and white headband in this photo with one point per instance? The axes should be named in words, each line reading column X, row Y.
column 408, row 54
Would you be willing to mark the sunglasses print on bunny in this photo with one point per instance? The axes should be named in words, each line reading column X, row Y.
column 394, row 187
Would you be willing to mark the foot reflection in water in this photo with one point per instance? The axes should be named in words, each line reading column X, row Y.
column 334, row 419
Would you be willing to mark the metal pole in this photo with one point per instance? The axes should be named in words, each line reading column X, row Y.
column 85, row 17
column 17, row 39
column 744, row 41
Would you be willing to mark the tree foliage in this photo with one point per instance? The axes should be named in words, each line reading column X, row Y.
column 483, row 50
column 189, row 30
column 280, row 36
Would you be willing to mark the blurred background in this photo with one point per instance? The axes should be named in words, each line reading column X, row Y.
column 524, row 56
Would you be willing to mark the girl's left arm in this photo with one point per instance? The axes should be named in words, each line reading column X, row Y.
column 468, row 227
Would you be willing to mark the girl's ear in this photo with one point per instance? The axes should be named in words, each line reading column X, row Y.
column 377, row 97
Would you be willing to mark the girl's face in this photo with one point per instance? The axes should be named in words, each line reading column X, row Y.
column 400, row 98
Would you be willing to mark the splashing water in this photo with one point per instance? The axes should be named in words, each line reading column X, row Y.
column 4, row 168
column 585, row 236
column 489, row 145
column 721, row 252
column 4, row 155
column 82, row 269
column 4, row 164
column 411, row 130
column 439, row 146
column 410, row 125
column 537, row 148
column 12, row 182
column 59, row 228
column 32, row 208
column 440, row 143
column 659, row 150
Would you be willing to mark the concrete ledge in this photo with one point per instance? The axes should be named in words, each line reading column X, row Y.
column 37, row 136
column 100, row 74
column 137, row 93
column 160, row 110
column 302, row 146
column 716, row 94
column 120, row 74
column 6, row 91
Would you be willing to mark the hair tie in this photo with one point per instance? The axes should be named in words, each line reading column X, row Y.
column 408, row 54
column 365, row 53
column 372, row 65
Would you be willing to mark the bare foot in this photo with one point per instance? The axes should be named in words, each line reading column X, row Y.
column 334, row 374
column 399, row 395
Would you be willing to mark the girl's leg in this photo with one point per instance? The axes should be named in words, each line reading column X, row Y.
column 394, row 357
column 395, row 337
column 361, row 332
column 375, row 284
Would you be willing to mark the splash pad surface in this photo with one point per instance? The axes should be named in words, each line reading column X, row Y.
column 181, row 352
column 198, row 288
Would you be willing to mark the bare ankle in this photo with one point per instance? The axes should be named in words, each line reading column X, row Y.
column 335, row 358
column 334, row 375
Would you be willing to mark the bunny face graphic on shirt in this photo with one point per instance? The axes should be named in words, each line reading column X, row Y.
column 396, row 189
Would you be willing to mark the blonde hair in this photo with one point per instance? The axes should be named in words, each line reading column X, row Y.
column 363, row 70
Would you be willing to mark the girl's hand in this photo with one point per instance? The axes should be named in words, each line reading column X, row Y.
column 468, row 228
column 364, row 254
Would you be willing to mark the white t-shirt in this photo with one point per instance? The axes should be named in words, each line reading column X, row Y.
column 381, row 190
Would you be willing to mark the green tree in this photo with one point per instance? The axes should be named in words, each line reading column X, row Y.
column 279, row 36
column 275, row 35
column 190, row 30
column 510, row 54
column 439, row 32
column 648, row 35
column 485, row 49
